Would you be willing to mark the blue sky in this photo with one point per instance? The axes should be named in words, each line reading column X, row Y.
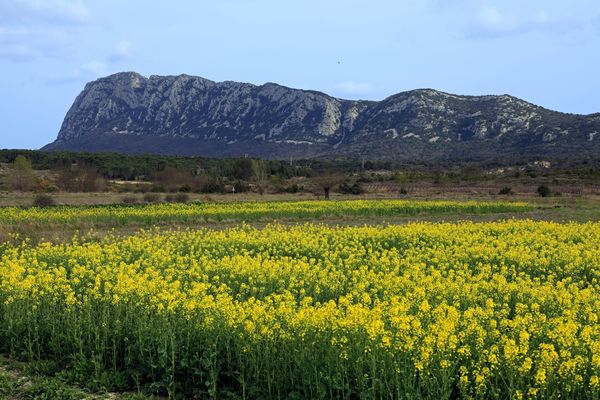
column 546, row 52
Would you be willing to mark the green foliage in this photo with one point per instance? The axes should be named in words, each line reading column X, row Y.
column 130, row 167
column 22, row 163
column 6, row 386
column 21, row 177
column 241, row 169
column 86, row 172
column 92, row 374
column 346, row 188
column 136, row 396
column 294, row 188
column 49, row 389
column 259, row 174
column 543, row 191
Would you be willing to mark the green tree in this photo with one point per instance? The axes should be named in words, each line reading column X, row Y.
column 327, row 181
column 21, row 176
column 543, row 191
column 260, row 175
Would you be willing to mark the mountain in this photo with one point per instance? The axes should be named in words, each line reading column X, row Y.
column 187, row 115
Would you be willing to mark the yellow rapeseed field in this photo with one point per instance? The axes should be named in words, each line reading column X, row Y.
column 244, row 211
column 426, row 310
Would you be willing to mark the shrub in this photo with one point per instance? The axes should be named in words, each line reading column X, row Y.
column 292, row 188
column 207, row 184
column 505, row 190
column 182, row 197
column 151, row 198
column 364, row 179
column 185, row 188
column 177, row 198
column 543, row 191
column 240, row 187
column 43, row 200
column 346, row 188
column 21, row 177
column 129, row 200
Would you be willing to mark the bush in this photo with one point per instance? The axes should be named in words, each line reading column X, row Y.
column 151, row 198
column 182, row 197
column 240, row 187
column 129, row 200
column 346, row 188
column 543, row 191
column 43, row 200
column 505, row 190
column 207, row 184
column 177, row 198
column 292, row 188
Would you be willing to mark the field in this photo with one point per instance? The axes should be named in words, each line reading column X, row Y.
column 304, row 309
column 115, row 215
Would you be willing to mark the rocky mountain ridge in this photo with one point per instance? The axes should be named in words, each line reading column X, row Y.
column 188, row 115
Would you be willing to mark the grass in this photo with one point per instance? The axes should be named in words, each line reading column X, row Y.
column 32, row 380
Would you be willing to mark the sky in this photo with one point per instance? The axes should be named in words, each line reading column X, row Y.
column 546, row 52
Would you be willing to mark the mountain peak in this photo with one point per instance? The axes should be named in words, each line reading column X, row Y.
column 190, row 115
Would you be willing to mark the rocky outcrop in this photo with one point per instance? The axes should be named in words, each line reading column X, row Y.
column 194, row 116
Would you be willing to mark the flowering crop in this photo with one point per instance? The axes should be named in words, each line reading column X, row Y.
column 244, row 211
column 425, row 310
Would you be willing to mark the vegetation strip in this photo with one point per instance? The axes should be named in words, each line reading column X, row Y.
column 244, row 211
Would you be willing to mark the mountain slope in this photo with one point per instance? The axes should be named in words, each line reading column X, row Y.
column 187, row 115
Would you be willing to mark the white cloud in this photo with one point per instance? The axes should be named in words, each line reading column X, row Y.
column 121, row 52
column 25, row 43
column 541, row 17
column 493, row 21
column 95, row 68
column 483, row 19
column 30, row 29
column 32, row 11
column 85, row 72
column 491, row 17
column 18, row 53
column 354, row 88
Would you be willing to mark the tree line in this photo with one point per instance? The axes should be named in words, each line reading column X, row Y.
column 38, row 171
